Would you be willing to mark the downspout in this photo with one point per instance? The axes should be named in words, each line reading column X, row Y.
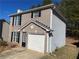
column 51, row 27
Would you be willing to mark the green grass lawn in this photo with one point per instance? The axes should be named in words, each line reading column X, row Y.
column 67, row 52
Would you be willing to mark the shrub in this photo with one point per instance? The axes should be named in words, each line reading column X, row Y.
column 13, row 44
column 3, row 43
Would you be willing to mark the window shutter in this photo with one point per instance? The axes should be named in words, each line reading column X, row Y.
column 11, row 36
column 31, row 14
column 13, row 21
column 20, row 20
column 39, row 13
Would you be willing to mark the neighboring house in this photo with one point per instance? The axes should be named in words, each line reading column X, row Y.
column 4, row 30
column 42, row 29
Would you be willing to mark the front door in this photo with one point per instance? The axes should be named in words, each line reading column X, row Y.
column 24, row 39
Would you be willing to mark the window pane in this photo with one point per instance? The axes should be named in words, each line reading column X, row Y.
column 36, row 14
column 17, row 36
column 17, row 20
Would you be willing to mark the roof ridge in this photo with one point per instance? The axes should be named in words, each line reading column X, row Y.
column 30, row 10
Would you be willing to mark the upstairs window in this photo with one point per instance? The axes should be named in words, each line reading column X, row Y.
column 16, row 20
column 36, row 14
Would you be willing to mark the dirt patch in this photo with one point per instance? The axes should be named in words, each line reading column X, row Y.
column 2, row 48
column 20, row 53
column 70, row 40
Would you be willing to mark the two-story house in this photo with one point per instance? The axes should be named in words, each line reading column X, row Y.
column 4, row 30
column 41, row 29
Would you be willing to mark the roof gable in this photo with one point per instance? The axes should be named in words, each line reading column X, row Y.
column 37, row 23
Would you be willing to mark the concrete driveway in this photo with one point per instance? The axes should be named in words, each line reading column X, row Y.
column 20, row 53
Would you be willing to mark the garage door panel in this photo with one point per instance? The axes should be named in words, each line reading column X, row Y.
column 36, row 42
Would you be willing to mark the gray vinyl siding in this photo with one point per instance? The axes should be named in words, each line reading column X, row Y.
column 5, row 31
column 59, row 33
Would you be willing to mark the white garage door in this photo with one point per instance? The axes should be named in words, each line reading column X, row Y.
column 36, row 42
